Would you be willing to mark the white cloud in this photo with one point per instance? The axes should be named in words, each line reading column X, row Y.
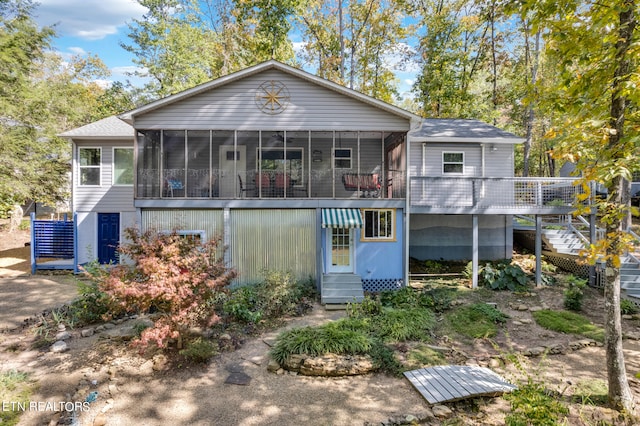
column 125, row 71
column 87, row 19
column 77, row 51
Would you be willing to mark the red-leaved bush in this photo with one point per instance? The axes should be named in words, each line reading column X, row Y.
column 170, row 275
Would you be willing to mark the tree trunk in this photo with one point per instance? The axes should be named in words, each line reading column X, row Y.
column 620, row 396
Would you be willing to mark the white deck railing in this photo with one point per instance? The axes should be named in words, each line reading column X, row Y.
column 486, row 193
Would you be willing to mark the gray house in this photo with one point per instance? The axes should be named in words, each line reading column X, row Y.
column 293, row 172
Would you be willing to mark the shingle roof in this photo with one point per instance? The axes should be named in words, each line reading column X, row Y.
column 107, row 128
column 459, row 130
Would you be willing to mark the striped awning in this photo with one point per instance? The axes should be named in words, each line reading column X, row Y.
column 341, row 218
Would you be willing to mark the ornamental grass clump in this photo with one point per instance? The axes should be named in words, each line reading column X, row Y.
column 336, row 337
column 170, row 276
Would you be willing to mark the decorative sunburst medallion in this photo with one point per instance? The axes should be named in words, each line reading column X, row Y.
column 272, row 97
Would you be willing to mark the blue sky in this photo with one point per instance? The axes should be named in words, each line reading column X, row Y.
column 99, row 26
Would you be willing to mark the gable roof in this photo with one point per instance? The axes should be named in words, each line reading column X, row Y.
column 108, row 128
column 461, row 130
column 268, row 65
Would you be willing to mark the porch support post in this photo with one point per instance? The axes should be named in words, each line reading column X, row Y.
column 538, row 250
column 226, row 235
column 474, row 254
column 592, row 239
column 319, row 253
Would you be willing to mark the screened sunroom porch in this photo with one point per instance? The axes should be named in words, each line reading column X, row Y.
column 223, row 164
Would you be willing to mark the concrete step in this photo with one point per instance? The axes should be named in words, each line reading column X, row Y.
column 341, row 289
column 341, row 278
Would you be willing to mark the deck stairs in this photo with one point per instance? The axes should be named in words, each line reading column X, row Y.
column 630, row 278
column 569, row 242
column 562, row 241
column 339, row 289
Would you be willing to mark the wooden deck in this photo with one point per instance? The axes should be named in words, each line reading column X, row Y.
column 446, row 383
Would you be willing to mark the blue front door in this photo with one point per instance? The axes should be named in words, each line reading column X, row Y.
column 108, row 237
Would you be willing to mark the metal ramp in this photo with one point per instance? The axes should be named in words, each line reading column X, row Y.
column 446, row 383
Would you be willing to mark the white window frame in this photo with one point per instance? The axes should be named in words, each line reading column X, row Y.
column 259, row 157
column 188, row 232
column 113, row 166
column 350, row 158
column 445, row 163
column 378, row 236
column 81, row 167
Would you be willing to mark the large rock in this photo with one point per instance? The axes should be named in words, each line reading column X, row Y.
column 330, row 365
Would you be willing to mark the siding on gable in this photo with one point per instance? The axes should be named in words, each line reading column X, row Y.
column 232, row 106
column 105, row 198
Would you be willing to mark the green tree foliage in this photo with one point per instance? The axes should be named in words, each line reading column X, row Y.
column 356, row 51
column 595, row 101
column 169, row 46
column 39, row 97
column 269, row 22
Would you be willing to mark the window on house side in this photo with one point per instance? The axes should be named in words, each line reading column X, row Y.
column 123, row 166
column 89, row 169
column 378, row 225
column 342, row 158
column 453, row 162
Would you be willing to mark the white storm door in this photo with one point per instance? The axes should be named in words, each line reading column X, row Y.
column 340, row 243
column 229, row 182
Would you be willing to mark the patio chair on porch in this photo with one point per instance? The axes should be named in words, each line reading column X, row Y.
column 172, row 187
column 244, row 189
column 263, row 185
column 282, row 184
column 367, row 183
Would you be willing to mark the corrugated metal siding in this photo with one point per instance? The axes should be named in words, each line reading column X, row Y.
column 273, row 239
column 233, row 106
column 105, row 198
column 210, row 221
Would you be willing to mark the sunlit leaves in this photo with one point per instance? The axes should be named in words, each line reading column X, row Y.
column 173, row 276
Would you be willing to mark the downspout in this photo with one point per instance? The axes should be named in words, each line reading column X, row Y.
column 407, row 205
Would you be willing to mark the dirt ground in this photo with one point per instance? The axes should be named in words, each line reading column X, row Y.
column 133, row 389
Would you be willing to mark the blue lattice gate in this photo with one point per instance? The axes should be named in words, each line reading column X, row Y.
column 53, row 244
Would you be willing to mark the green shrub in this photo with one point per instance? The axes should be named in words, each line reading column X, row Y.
column 281, row 294
column 278, row 295
column 403, row 297
column 314, row 341
column 503, row 276
column 627, row 307
column 398, row 325
column 531, row 404
column 385, row 359
column 568, row 322
column 476, row 321
column 574, row 294
column 437, row 299
column 199, row 350
column 370, row 306
column 242, row 305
